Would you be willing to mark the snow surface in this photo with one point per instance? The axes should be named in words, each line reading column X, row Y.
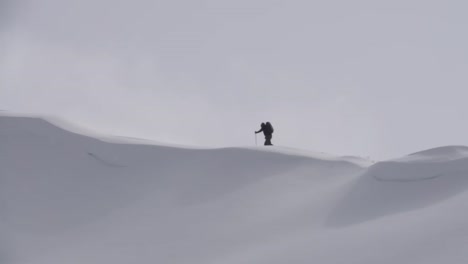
column 69, row 198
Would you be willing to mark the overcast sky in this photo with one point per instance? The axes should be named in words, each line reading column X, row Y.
column 378, row 79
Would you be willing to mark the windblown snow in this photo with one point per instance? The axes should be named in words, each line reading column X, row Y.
column 69, row 198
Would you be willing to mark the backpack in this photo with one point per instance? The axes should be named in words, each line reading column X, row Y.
column 269, row 127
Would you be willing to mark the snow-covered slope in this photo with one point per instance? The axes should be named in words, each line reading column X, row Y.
column 67, row 198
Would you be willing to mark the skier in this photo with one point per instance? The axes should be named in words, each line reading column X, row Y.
column 267, row 130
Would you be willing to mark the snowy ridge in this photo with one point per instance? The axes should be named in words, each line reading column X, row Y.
column 71, row 198
column 73, row 128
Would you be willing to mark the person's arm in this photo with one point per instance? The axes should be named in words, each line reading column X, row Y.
column 261, row 129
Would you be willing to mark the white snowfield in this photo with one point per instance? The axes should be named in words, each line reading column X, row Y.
column 67, row 198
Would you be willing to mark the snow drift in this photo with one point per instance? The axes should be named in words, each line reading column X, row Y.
column 70, row 198
column 406, row 184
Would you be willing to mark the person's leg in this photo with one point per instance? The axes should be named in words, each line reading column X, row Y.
column 268, row 140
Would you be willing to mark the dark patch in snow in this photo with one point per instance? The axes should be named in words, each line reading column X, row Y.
column 408, row 180
column 105, row 162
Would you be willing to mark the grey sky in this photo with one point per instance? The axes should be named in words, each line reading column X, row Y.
column 370, row 78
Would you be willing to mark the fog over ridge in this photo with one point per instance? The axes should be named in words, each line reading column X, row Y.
column 379, row 79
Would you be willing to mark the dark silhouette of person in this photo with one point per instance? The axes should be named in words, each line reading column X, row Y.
column 267, row 130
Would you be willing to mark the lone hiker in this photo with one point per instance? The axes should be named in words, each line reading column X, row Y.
column 267, row 130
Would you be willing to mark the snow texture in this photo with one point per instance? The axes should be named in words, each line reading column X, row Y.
column 68, row 197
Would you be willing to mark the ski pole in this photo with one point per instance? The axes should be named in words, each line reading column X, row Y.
column 255, row 139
